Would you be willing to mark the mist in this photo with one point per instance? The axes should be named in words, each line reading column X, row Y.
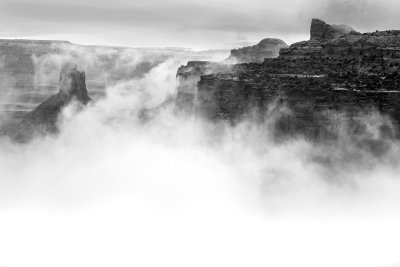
column 113, row 190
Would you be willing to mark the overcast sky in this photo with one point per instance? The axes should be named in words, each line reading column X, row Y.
column 198, row 24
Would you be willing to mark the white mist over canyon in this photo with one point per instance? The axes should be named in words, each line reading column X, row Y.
column 112, row 190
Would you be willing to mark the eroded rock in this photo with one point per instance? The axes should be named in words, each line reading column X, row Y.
column 43, row 119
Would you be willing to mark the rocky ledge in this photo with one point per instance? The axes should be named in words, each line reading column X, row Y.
column 43, row 119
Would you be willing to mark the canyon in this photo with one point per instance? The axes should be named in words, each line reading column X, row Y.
column 315, row 89
column 30, row 69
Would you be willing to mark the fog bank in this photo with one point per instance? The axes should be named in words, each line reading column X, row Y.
column 111, row 189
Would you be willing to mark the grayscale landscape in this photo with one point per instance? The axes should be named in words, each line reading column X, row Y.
column 199, row 133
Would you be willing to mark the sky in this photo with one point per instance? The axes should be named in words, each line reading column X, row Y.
column 198, row 24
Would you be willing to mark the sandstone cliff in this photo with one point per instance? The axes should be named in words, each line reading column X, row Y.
column 43, row 119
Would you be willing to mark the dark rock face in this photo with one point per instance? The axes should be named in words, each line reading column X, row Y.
column 43, row 118
column 323, row 32
column 188, row 76
column 309, row 84
column 302, row 93
column 267, row 48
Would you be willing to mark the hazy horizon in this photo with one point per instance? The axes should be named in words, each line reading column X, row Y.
column 196, row 24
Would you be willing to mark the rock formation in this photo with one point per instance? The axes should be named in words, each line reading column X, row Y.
column 352, row 74
column 30, row 69
column 189, row 75
column 325, row 40
column 43, row 119
column 323, row 32
column 73, row 83
column 267, row 48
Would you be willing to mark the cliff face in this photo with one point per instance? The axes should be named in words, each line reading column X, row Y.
column 189, row 75
column 323, row 32
column 267, row 48
column 43, row 118
column 302, row 94
column 352, row 75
